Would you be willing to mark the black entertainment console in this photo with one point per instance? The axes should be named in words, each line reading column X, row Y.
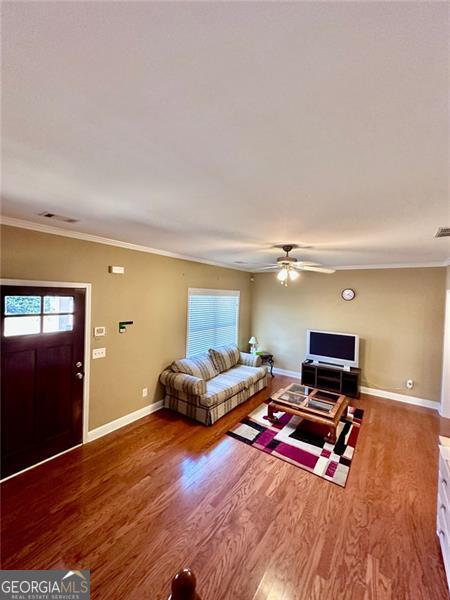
column 334, row 379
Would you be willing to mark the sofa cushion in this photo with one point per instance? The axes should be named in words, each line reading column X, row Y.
column 198, row 366
column 249, row 375
column 225, row 357
column 250, row 360
column 222, row 387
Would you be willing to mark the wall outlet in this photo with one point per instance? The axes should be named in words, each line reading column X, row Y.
column 98, row 353
column 409, row 384
column 144, row 392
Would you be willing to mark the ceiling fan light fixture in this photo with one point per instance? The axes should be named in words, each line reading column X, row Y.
column 282, row 275
column 290, row 266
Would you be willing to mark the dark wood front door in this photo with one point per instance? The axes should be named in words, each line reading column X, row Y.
column 42, row 334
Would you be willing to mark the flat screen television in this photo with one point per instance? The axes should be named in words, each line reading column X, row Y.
column 332, row 347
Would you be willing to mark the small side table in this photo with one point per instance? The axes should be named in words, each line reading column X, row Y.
column 267, row 359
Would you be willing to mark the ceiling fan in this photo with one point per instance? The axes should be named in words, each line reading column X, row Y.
column 289, row 266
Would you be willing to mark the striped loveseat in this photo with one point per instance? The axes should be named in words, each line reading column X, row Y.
column 208, row 386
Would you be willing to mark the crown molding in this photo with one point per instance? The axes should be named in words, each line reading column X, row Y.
column 412, row 265
column 88, row 237
column 422, row 265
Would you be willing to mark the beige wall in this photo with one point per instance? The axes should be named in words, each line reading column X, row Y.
column 152, row 293
column 399, row 314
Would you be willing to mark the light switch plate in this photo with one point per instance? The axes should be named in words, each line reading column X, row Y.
column 99, row 331
column 98, row 353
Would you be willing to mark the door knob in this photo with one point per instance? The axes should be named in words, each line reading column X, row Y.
column 78, row 364
column 79, row 375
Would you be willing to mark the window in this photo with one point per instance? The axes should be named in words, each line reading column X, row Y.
column 213, row 317
column 53, row 313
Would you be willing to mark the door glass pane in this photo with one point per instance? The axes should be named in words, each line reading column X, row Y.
column 22, row 325
column 58, row 304
column 22, row 305
column 54, row 323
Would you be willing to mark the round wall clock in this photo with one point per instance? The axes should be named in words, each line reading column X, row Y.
column 348, row 294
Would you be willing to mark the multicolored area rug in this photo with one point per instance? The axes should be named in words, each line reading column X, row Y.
column 302, row 443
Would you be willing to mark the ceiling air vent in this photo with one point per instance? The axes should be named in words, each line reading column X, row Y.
column 55, row 217
column 443, row 232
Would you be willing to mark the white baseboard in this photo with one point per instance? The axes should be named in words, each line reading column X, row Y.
column 376, row 392
column 444, row 413
column 295, row 374
column 400, row 397
column 99, row 432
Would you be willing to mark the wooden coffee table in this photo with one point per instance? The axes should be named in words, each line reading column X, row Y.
column 311, row 404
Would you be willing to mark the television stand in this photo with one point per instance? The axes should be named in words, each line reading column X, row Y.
column 334, row 379
column 328, row 364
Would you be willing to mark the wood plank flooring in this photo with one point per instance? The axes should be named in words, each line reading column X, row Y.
column 164, row 493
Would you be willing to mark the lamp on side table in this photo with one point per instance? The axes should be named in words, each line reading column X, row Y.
column 253, row 342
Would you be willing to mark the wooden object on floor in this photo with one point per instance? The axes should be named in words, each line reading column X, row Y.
column 183, row 586
column 164, row 491
column 333, row 379
column 308, row 406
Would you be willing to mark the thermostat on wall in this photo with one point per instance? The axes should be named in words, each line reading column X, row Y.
column 99, row 331
column 116, row 269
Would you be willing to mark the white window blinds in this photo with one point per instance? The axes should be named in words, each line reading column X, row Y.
column 213, row 317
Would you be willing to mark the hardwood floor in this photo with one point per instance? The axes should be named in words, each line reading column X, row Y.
column 164, row 493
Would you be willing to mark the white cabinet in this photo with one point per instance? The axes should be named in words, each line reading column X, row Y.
column 443, row 504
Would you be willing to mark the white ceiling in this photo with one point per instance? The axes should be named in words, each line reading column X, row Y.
column 216, row 130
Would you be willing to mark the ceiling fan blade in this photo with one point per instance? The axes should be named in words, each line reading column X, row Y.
column 301, row 263
column 268, row 268
column 318, row 269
